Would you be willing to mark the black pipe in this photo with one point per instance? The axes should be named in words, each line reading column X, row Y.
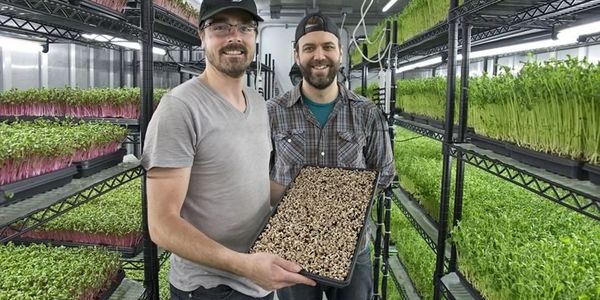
column 191, row 59
column 267, row 75
column 377, row 246
column 485, row 65
column 495, row 66
column 134, row 63
column 464, row 80
column 181, row 74
column 449, row 124
column 272, row 77
column 121, row 68
column 365, row 70
column 151, row 264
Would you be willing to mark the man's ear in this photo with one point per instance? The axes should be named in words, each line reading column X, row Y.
column 296, row 57
column 201, row 37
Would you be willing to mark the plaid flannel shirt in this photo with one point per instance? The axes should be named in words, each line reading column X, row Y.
column 355, row 136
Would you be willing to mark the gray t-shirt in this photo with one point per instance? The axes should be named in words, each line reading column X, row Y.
column 228, row 152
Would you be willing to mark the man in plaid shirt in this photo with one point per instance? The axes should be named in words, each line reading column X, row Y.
column 320, row 122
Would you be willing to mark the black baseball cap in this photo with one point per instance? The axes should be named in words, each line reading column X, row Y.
column 318, row 22
column 209, row 8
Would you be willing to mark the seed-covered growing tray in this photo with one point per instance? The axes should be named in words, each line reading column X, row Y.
column 320, row 222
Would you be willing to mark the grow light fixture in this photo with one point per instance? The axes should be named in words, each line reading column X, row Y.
column 20, row 45
column 388, row 5
column 572, row 33
column 121, row 42
column 519, row 48
column 137, row 46
column 424, row 63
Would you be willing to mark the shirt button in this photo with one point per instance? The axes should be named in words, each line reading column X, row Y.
column 322, row 153
column 289, row 140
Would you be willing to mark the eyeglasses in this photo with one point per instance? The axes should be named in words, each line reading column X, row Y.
column 222, row 28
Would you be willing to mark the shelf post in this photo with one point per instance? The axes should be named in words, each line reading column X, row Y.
column 151, row 264
column 462, row 128
column 449, row 126
column 365, row 70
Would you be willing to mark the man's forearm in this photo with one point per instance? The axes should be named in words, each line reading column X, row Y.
column 182, row 238
column 277, row 191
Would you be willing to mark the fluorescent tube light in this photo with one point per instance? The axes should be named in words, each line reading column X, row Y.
column 137, row 46
column 572, row 33
column 20, row 45
column 388, row 5
column 424, row 63
column 121, row 42
column 519, row 48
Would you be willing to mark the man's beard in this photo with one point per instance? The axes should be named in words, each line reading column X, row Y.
column 232, row 67
column 320, row 82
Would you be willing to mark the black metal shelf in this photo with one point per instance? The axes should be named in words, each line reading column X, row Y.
column 420, row 128
column 168, row 27
column 590, row 39
column 458, row 288
column 62, row 20
column 402, row 280
column 495, row 19
column 399, row 274
column 132, row 123
column 32, row 212
column 137, row 262
column 517, row 11
column 578, row 195
column 417, row 217
column 423, row 224
column 129, row 290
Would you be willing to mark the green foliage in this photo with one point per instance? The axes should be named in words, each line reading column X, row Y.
column 512, row 244
column 426, row 97
column 117, row 212
column 551, row 106
column 417, row 17
column 39, row 272
column 414, row 253
column 42, row 138
column 76, row 96
column 372, row 91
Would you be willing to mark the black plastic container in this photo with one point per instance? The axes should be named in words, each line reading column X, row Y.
column 489, row 144
column 326, row 281
column 89, row 167
column 113, row 286
column 593, row 173
column 19, row 190
column 562, row 166
column 126, row 252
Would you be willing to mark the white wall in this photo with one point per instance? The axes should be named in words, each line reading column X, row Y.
column 278, row 39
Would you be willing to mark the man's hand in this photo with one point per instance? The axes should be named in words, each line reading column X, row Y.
column 272, row 272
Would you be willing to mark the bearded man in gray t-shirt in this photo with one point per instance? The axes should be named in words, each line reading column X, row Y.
column 207, row 159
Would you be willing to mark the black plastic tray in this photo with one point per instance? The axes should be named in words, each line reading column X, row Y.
column 320, row 279
column 89, row 167
column 19, row 190
column 113, row 286
column 126, row 252
column 562, row 166
column 489, row 144
column 593, row 173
